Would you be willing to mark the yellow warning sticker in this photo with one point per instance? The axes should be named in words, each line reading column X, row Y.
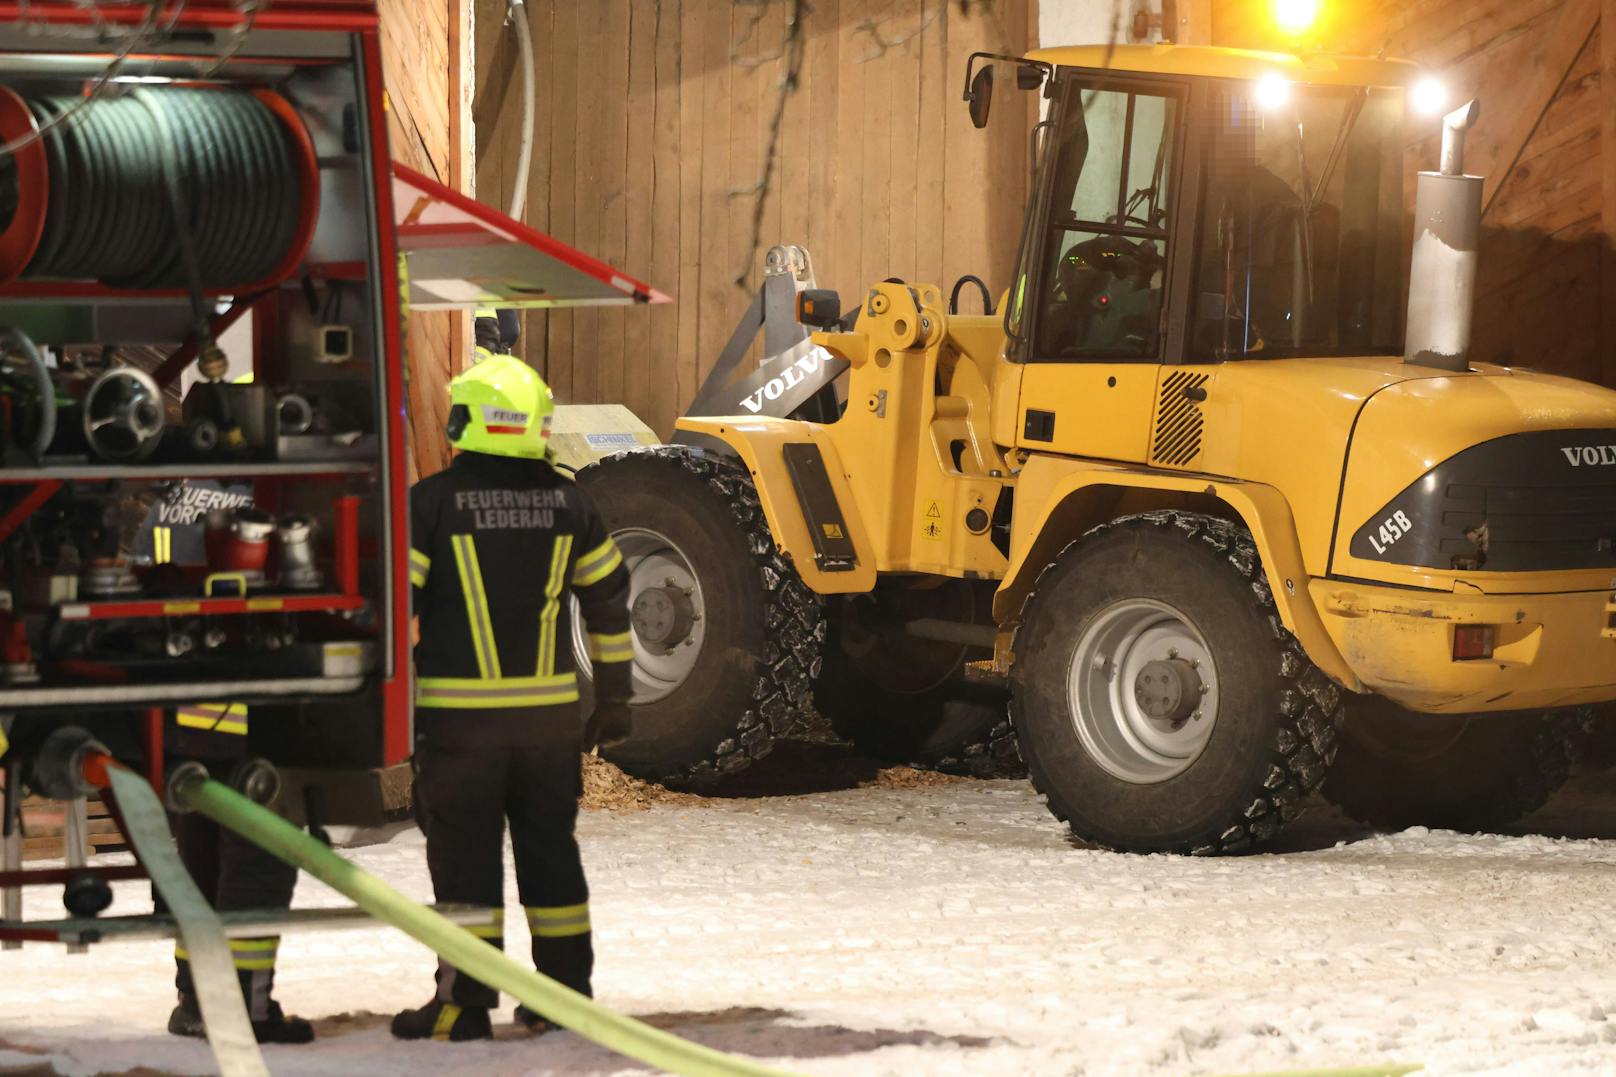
column 931, row 527
column 832, row 531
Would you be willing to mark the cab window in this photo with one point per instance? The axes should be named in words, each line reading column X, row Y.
column 1302, row 232
column 1105, row 256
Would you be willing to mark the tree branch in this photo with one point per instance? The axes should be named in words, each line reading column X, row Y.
column 793, row 49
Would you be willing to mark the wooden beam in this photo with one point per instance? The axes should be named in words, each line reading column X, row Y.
column 1607, row 170
column 462, row 165
column 462, row 90
column 1501, row 137
column 1192, row 21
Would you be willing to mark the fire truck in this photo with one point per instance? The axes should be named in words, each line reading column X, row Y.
column 207, row 259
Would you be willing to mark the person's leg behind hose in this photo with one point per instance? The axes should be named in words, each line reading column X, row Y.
column 235, row 876
column 459, row 804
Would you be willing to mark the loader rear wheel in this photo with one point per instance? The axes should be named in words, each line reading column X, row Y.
column 726, row 636
column 1398, row 769
column 1160, row 704
column 902, row 699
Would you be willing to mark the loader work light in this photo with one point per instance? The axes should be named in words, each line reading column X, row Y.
column 820, row 307
column 1296, row 17
column 1429, row 97
column 1272, row 92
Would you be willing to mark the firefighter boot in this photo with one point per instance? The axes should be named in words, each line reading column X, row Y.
column 439, row 1020
column 534, row 1022
column 186, row 1020
column 269, row 1023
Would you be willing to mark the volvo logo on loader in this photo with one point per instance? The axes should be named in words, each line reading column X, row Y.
column 793, row 376
column 1590, row 455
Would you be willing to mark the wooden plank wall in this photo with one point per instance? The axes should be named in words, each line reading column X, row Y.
column 421, row 54
column 653, row 121
column 1536, row 67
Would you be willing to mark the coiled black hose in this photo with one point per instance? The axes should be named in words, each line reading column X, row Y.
column 111, row 217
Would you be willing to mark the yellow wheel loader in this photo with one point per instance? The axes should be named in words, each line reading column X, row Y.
column 1215, row 494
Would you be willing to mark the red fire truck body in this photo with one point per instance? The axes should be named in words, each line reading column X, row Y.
column 176, row 170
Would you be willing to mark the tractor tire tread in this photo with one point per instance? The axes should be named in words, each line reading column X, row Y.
column 781, row 702
column 1541, row 768
column 1311, row 706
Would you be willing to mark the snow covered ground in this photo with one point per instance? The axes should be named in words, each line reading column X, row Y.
column 950, row 930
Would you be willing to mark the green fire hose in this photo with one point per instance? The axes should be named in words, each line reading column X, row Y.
column 459, row 947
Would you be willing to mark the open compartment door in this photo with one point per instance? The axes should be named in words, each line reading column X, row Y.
column 462, row 255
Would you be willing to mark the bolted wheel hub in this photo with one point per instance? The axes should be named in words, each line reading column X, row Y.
column 663, row 616
column 1143, row 691
column 1168, row 690
column 666, row 612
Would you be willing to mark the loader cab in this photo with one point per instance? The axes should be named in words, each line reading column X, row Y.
column 1193, row 207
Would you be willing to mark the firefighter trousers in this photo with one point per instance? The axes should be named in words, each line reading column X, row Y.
column 463, row 797
column 234, row 875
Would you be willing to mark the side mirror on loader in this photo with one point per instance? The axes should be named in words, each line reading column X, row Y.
column 1030, row 74
column 981, row 96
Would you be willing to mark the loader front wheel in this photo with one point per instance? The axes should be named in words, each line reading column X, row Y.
column 726, row 636
column 1160, row 704
column 1475, row 774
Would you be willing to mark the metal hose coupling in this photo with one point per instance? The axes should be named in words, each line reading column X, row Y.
column 183, row 779
column 298, row 570
column 257, row 780
column 58, row 768
column 211, row 361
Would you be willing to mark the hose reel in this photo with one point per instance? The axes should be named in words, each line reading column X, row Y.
column 100, row 198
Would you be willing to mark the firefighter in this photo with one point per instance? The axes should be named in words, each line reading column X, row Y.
column 233, row 873
column 500, row 541
column 494, row 332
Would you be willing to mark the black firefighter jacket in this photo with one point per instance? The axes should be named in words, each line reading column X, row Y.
column 497, row 546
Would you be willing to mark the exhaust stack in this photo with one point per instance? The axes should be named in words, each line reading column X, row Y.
column 1447, row 239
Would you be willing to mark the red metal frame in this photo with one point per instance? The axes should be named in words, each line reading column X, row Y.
column 152, row 742
column 346, row 543
column 348, row 16
column 397, row 704
column 47, row 876
column 20, row 238
column 208, row 607
column 531, row 237
column 30, row 503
